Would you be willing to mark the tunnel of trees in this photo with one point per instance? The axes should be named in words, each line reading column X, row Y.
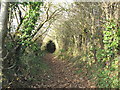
column 84, row 37
column 50, row 47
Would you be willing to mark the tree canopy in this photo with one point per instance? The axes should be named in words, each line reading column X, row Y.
column 82, row 37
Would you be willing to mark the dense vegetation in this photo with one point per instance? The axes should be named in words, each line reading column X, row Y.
column 85, row 34
column 90, row 39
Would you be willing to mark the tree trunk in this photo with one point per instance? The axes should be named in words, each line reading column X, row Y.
column 3, row 30
column 3, row 24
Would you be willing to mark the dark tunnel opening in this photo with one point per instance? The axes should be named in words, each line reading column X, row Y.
column 50, row 47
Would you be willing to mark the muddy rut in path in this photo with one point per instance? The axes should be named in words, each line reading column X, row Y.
column 61, row 75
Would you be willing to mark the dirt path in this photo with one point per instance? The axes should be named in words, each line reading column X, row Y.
column 61, row 75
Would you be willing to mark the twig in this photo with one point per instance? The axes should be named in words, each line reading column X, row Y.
column 42, row 33
column 22, row 8
column 21, row 22
column 9, row 53
column 11, row 66
column 47, row 19
column 16, row 16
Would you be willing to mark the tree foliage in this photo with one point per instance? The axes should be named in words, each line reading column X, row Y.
column 89, row 34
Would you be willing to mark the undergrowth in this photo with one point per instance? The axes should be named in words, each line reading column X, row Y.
column 103, row 76
column 31, row 66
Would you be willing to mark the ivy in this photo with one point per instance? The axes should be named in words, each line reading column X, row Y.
column 29, row 23
column 107, row 55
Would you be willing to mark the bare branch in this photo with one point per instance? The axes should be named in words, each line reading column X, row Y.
column 47, row 19
column 20, row 14
column 47, row 12
column 21, row 23
column 52, row 15
column 16, row 16
column 42, row 33
column 22, row 8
